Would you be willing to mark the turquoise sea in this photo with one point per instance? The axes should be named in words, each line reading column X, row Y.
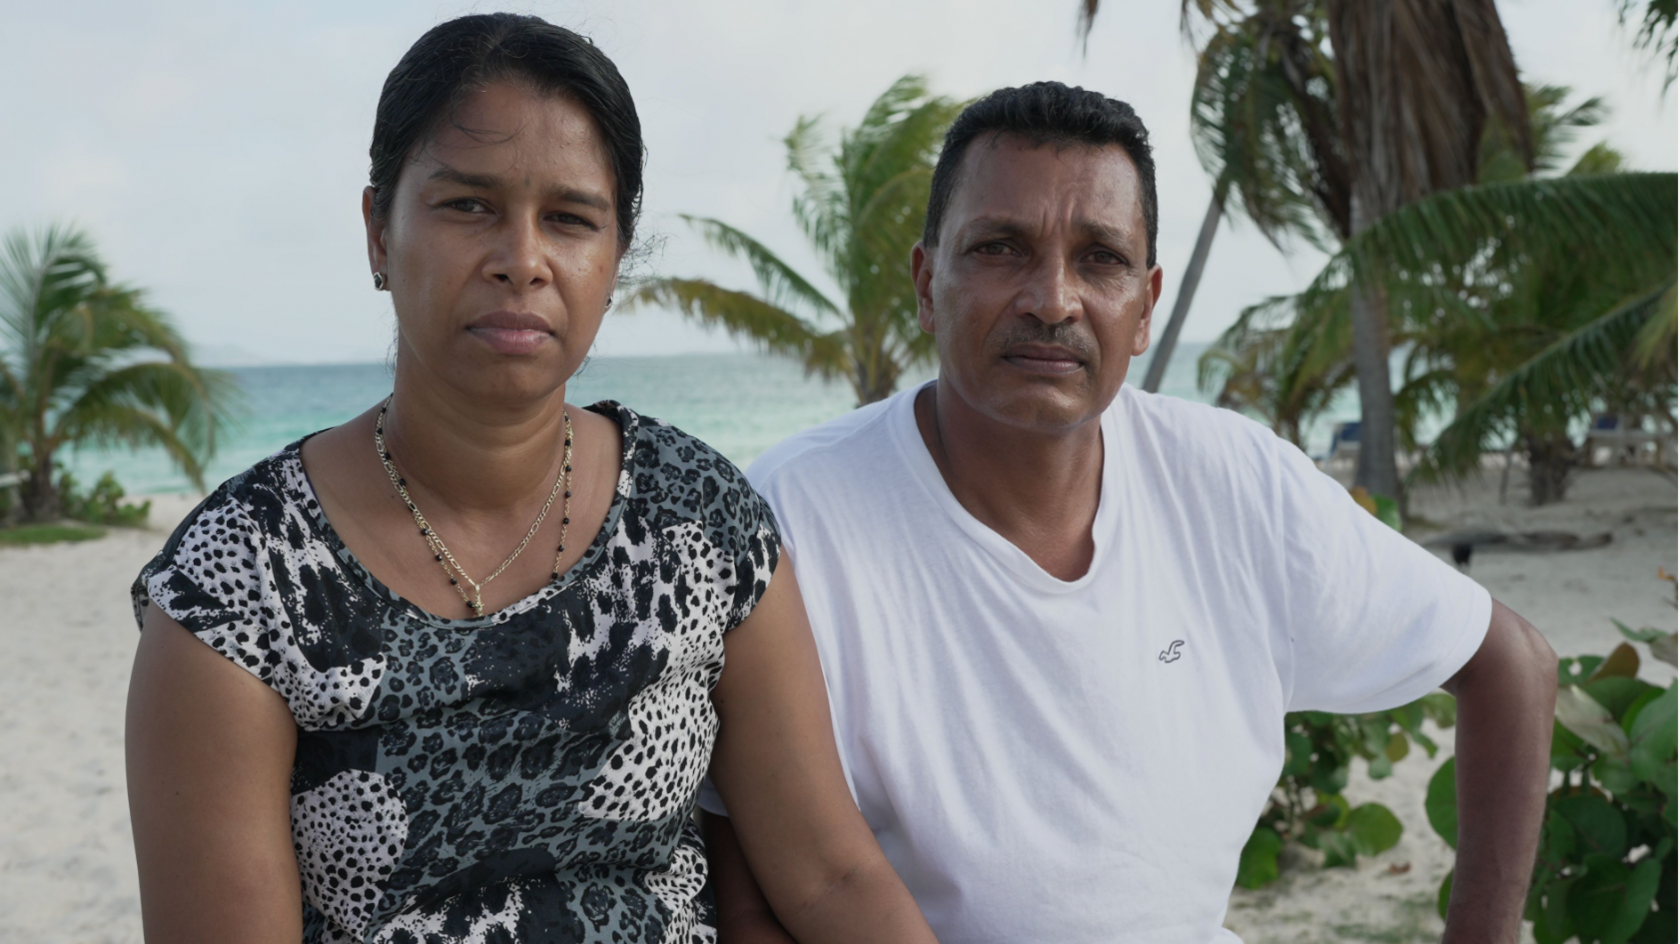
column 739, row 403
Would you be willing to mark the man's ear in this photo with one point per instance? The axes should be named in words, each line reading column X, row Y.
column 921, row 274
column 375, row 233
column 1140, row 340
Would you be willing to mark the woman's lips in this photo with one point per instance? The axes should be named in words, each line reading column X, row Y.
column 510, row 332
column 510, row 340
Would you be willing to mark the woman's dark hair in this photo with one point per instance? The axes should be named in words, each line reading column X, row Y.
column 1044, row 113
column 463, row 55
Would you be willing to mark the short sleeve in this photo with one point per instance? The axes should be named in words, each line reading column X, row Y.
column 757, row 545
column 1375, row 621
column 220, row 577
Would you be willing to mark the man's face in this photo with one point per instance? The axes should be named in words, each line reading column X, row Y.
column 1039, row 293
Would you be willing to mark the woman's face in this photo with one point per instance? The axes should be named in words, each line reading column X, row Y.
column 501, row 246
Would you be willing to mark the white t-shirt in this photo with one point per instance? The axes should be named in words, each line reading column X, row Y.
column 1082, row 761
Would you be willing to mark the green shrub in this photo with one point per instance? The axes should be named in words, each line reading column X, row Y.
column 47, row 534
column 1307, row 805
column 101, row 505
column 1606, row 865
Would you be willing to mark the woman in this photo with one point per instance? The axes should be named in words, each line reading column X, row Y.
column 465, row 658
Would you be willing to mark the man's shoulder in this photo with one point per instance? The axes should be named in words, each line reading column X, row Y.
column 1185, row 429
column 833, row 449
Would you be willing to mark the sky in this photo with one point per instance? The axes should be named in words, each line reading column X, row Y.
column 216, row 151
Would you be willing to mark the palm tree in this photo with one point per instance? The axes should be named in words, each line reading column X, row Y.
column 1263, row 121
column 1529, row 304
column 1413, row 83
column 85, row 361
column 862, row 205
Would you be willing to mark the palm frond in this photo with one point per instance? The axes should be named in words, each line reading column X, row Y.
column 782, row 285
column 1556, row 384
column 774, row 329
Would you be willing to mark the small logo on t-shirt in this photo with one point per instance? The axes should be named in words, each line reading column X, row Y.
column 1171, row 653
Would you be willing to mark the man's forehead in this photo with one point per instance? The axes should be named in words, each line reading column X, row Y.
column 1002, row 171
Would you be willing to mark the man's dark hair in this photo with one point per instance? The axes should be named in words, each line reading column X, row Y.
column 1044, row 113
column 463, row 55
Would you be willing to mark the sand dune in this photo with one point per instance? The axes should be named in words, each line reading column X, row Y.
column 66, row 861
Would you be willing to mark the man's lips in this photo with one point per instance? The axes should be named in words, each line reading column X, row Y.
column 1044, row 359
column 511, row 332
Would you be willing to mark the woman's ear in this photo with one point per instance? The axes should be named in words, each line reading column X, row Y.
column 375, row 233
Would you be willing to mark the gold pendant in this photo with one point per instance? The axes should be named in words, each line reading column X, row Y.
column 477, row 607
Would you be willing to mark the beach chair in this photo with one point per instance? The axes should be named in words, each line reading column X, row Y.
column 1625, row 441
column 1344, row 443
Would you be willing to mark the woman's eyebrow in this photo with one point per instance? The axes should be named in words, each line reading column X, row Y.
column 492, row 182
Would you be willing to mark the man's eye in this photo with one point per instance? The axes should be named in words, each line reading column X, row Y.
column 466, row 205
column 1104, row 257
column 992, row 249
column 572, row 219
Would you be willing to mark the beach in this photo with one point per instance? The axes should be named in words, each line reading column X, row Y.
column 67, row 871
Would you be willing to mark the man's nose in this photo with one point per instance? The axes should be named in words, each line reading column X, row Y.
column 518, row 260
column 1050, row 297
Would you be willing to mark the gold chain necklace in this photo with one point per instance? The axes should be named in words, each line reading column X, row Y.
column 452, row 569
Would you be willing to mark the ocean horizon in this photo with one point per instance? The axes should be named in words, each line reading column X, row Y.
column 740, row 403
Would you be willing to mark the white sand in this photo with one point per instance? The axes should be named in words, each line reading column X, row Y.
column 66, row 861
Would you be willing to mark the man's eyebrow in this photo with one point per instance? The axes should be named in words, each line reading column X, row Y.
column 585, row 197
column 1104, row 233
column 994, row 226
column 479, row 181
column 491, row 181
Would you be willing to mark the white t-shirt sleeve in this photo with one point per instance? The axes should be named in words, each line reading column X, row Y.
column 1375, row 621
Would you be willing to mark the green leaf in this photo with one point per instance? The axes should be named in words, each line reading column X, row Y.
column 1398, row 747
column 1617, row 693
column 1444, row 896
column 1440, row 708
column 1440, row 802
column 1555, row 925
column 1374, row 828
column 1573, row 671
column 1388, row 511
column 1341, row 851
column 1258, row 864
column 1298, row 754
column 1557, row 840
column 1645, row 635
column 1640, row 890
column 1597, row 899
column 1653, row 740
column 1568, row 750
column 1591, row 720
column 1663, row 648
column 1615, row 774
column 1599, row 827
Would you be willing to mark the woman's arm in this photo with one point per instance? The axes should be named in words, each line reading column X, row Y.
column 744, row 917
column 210, row 751
column 778, row 772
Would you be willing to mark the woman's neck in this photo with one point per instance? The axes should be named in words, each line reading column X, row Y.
column 474, row 457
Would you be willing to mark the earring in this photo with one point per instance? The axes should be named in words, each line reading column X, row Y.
column 379, row 281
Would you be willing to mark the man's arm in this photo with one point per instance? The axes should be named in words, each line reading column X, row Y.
column 744, row 917
column 1506, row 693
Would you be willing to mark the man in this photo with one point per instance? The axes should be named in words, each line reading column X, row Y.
column 1061, row 620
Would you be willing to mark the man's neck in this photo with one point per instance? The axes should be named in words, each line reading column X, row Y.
column 1038, row 490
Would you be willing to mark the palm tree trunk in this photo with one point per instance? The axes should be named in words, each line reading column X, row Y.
column 39, row 493
column 1377, row 470
column 1186, row 291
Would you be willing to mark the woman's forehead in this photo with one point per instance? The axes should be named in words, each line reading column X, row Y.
column 512, row 130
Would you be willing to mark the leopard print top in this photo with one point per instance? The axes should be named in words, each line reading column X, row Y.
column 527, row 776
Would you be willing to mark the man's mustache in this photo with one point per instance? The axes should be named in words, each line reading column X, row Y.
column 1037, row 332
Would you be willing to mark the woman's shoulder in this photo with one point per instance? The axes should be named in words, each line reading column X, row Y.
column 678, row 475
column 250, row 575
